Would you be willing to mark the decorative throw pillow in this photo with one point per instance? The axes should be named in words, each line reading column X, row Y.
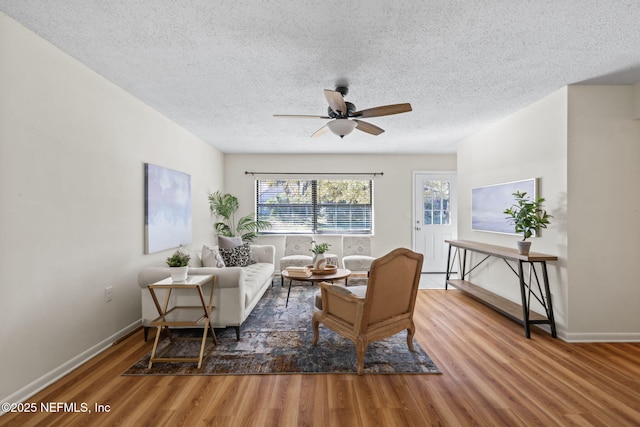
column 195, row 260
column 237, row 257
column 229, row 242
column 251, row 259
column 211, row 257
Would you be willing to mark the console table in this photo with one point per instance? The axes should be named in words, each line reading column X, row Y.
column 530, row 286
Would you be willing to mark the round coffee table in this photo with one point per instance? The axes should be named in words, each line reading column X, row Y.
column 340, row 273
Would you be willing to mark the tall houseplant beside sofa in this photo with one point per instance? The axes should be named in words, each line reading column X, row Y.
column 238, row 289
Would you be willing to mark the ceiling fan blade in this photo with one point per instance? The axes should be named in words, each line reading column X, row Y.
column 300, row 116
column 336, row 101
column 368, row 127
column 385, row 110
column 320, row 131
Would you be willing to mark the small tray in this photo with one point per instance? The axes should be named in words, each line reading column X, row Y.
column 331, row 269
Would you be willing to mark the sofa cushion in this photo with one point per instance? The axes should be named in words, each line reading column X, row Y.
column 229, row 242
column 237, row 257
column 255, row 276
column 211, row 257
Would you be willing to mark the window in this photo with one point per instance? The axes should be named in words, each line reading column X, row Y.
column 436, row 203
column 317, row 206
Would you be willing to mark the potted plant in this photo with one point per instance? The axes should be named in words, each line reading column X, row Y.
column 179, row 265
column 319, row 260
column 528, row 216
column 224, row 207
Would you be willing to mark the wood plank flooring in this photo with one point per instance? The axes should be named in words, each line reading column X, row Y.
column 492, row 376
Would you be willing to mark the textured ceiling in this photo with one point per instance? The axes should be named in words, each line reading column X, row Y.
column 222, row 68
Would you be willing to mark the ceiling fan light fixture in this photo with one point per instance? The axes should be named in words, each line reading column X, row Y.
column 342, row 127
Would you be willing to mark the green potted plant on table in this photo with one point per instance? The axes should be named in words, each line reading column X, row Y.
column 319, row 259
column 527, row 216
column 179, row 265
column 224, row 207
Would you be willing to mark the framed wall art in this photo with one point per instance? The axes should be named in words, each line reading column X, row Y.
column 489, row 202
column 167, row 208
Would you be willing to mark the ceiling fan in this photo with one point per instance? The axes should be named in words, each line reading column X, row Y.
column 346, row 117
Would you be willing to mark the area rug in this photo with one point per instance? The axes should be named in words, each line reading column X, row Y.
column 276, row 339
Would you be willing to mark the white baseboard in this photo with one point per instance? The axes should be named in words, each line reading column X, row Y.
column 49, row 378
column 577, row 337
column 592, row 337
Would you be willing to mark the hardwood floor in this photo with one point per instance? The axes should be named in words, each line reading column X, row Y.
column 492, row 376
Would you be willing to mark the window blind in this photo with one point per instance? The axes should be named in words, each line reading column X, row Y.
column 329, row 206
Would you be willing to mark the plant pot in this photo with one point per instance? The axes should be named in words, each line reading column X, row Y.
column 179, row 274
column 524, row 247
column 319, row 261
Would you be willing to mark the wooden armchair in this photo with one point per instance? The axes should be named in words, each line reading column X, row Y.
column 385, row 309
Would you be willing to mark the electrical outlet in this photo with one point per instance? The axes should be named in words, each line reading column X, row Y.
column 108, row 293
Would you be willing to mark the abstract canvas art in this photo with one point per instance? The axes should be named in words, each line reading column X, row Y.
column 167, row 214
column 488, row 205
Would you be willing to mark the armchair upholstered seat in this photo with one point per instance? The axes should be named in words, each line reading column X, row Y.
column 296, row 251
column 381, row 309
column 356, row 253
column 356, row 256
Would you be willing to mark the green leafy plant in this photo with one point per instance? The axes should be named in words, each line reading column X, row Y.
column 320, row 248
column 224, row 207
column 527, row 215
column 178, row 259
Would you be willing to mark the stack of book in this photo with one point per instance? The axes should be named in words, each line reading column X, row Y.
column 298, row 271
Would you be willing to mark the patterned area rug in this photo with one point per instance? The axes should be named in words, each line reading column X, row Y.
column 277, row 340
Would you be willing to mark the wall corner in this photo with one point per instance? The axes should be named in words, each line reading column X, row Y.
column 636, row 101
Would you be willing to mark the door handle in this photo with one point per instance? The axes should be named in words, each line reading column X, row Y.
column 418, row 228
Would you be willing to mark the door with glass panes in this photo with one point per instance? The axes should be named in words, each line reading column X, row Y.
column 435, row 218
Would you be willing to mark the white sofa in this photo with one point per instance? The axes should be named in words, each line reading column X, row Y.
column 238, row 289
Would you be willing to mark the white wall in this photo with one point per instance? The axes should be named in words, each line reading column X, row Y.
column 72, row 154
column 604, row 208
column 528, row 144
column 392, row 191
column 584, row 145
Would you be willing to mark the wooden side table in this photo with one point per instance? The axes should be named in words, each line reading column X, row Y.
column 183, row 316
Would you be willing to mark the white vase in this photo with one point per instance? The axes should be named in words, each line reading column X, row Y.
column 319, row 261
column 179, row 274
column 523, row 247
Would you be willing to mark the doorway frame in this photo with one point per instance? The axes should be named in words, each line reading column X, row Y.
column 414, row 201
